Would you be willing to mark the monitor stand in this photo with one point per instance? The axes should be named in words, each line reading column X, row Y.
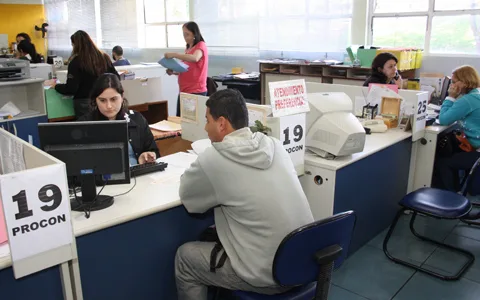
column 89, row 192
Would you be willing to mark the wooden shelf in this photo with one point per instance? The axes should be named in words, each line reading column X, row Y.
column 321, row 73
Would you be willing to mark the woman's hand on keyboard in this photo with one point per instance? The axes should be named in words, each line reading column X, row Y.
column 147, row 157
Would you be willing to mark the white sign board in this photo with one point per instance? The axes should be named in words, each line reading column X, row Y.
column 420, row 116
column 292, row 136
column 288, row 97
column 37, row 211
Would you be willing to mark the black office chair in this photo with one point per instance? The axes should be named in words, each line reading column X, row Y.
column 440, row 204
column 306, row 257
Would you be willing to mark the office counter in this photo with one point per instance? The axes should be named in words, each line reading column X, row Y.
column 126, row 251
column 371, row 183
column 425, row 150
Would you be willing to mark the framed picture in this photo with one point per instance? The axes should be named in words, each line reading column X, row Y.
column 188, row 108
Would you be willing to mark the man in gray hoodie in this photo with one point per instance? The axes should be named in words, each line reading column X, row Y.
column 251, row 183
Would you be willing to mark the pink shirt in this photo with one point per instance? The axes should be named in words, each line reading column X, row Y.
column 195, row 79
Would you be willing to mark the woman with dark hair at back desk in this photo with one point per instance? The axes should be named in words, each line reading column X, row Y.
column 384, row 70
column 193, row 81
column 27, row 51
column 107, row 103
column 86, row 64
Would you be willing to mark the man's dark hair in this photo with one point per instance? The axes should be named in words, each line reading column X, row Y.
column 230, row 104
column 118, row 50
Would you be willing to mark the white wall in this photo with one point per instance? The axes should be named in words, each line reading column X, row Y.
column 445, row 64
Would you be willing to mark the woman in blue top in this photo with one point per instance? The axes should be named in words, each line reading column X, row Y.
column 463, row 106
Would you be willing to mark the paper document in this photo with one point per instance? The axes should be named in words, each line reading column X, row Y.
column 359, row 104
column 201, row 145
column 246, row 76
column 435, row 81
column 11, row 155
column 148, row 63
column 11, row 109
column 429, row 89
column 170, row 176
column 166, row 126
column 179, row 159
column 4, row 250
column 433, row 106
column 377, row 92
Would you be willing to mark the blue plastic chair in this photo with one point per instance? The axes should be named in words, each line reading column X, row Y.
column 440, row 204
column 306, row 257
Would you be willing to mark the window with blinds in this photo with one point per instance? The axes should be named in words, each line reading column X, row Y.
column 67, row 16
column 118, row 20
column 302, row 25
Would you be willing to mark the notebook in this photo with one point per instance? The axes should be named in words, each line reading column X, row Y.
column 173, row 64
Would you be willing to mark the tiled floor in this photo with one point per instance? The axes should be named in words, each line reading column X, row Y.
column 369, row 274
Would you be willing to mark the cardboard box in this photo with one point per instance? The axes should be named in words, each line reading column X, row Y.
column 390, row 111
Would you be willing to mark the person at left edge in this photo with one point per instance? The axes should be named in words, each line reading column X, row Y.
column 193, row 81
column 107, row 103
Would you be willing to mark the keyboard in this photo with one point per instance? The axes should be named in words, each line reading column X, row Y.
column 146, row 168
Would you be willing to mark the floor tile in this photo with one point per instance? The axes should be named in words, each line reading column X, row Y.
column 337, row 293
column 404, row 245
column 425, row 287
column 371, row 274
column 468, row 231
column 451, row 262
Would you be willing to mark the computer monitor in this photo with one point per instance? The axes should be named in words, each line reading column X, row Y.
column 332, row 129
column 93, row 152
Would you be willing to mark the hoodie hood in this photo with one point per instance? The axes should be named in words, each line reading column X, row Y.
column 254, row 150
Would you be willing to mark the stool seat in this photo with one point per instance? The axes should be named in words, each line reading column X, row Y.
column 438, row 203
column 297, row 293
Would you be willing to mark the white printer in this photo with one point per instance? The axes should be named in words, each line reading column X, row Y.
column 14, row 69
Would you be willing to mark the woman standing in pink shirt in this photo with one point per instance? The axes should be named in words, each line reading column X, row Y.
column 194, row 81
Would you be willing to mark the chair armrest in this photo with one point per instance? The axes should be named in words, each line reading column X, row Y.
column 327, row 255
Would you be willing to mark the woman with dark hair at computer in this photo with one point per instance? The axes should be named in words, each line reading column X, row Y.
column 26, row 51
column 463, row 106
column 384, row 70
column 107, row 103
column 86, row 64
column 193, row 81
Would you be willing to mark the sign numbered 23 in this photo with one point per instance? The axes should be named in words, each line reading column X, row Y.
column 292, row 136
column 37, row 211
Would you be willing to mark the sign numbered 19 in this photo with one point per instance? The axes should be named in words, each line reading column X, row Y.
column 292, row 136
column 37, row 212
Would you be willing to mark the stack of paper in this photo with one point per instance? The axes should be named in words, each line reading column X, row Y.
column 179, row 159
column 166, row 126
